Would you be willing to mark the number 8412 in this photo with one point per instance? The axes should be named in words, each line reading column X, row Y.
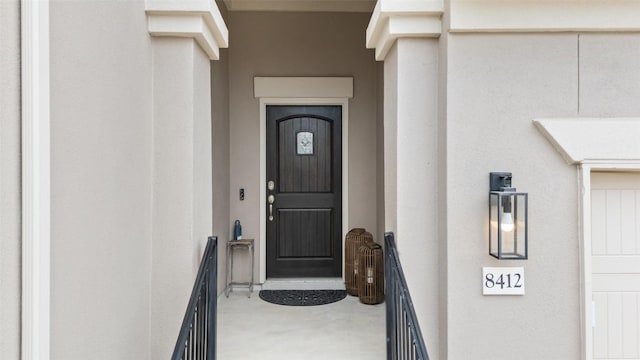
column 504, row 281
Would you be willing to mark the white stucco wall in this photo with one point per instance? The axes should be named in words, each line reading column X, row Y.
column 131, row 180
column 221, row 167
column 101, row 155
column 443, row 285
column 380, row 153
column 497, row 83
column 300, row 44
column 390, row 139
column 411, row 173
column 182, row 190
column 220, row 157
column 609, row 74
column 10, row 243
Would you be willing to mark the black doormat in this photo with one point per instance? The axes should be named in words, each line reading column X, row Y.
column 302, row 297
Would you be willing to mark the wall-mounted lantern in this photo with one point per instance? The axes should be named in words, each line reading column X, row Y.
column 507, row 219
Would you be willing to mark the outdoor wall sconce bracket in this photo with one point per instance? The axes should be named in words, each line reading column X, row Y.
column 508, row 219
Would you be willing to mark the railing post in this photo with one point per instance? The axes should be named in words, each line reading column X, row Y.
column 390, row 298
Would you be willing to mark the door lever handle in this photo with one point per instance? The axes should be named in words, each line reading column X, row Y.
column 271, row 199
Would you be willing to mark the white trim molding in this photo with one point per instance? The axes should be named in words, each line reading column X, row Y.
column 36, row 181
column 394, row 19
column 593, row 139
column 544, row 16
column 301, row 5
column 303, row 87
column 197, row 19
column 585, row 170
column 301, row 91
column 594, row 144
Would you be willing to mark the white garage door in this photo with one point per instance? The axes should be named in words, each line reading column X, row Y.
column 615, row 219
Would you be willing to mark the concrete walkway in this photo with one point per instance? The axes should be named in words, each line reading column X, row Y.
column 249, row 328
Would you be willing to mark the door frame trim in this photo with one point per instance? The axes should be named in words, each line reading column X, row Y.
column 36, row 181
column 344, row 103
column 288, row 93
column 585, row 170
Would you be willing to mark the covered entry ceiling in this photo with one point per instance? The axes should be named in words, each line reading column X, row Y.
column 301, row 5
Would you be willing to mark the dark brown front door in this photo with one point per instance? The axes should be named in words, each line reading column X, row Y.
column 304, row 166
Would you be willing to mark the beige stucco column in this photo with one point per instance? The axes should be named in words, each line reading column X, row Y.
column 185, row 41
column 405, row 36
column 10, row 207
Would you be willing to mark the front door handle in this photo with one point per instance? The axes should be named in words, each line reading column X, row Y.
column 271, row 199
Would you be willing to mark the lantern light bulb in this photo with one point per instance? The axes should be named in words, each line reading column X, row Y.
column 507, row 222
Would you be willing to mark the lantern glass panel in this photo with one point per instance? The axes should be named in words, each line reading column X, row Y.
column 520, row 221
column 493, row 224
column 508, row 225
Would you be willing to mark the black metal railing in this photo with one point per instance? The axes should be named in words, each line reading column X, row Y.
column 404, row 338
column 197, row 337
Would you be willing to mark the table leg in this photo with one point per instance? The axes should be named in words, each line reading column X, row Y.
column 229, row 266
column 251, row 251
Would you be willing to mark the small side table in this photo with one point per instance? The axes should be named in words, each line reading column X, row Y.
column 231, row 246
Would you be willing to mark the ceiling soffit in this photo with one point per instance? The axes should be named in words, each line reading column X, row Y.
column 365, row 6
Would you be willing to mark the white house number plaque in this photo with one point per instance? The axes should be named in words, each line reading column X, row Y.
column 502, row 281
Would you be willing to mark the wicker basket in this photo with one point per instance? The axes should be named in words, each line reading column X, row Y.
column 371, row 274
column 354, row 239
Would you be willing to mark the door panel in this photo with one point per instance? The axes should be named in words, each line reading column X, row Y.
column 615, row 232
column 307, row 172
column 316, row 230
column 304, row 160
